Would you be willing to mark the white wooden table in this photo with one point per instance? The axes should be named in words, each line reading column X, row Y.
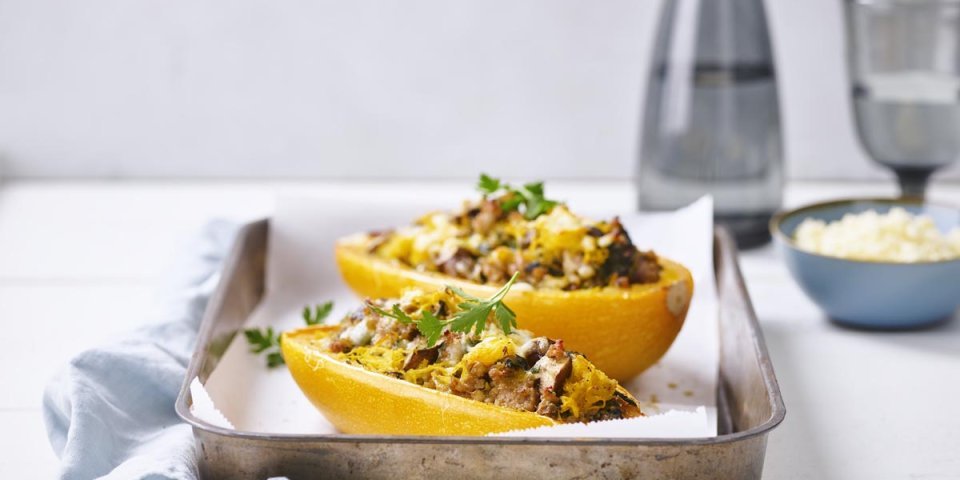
column 79, row 263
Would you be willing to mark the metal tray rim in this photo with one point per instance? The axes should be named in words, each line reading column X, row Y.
column 726, row 247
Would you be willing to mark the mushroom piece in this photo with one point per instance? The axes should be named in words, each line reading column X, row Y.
column 533, row 349
column 457, row 264
column 553, row 370
column 417, row 357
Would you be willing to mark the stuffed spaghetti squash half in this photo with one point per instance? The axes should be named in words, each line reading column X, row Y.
column 445, row 363
column 581, row 280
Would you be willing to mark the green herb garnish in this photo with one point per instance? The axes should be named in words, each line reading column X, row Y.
column 427, row 324
column 474, row 311
column 318, row 314
column 530, row 196
column 431, row 327
column 473, row 315
column 267, row 341
column 488, row 184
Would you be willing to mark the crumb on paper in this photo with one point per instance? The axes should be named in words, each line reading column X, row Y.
column 654, row 398
column 688, row 393
column 672, row 385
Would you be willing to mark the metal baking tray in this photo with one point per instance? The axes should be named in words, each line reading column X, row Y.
column 748, row 400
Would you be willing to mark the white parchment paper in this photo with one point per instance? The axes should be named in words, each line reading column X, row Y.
column 301, row 271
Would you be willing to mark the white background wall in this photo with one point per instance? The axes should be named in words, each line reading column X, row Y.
column 365, row 88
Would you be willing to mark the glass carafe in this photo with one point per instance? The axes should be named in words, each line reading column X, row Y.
column 712, row 122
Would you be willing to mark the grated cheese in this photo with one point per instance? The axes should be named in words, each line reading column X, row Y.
column 896, row 236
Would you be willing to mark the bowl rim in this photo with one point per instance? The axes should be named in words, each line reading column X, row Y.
column 778, row 218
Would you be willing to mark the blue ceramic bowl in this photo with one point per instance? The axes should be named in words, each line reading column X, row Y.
column 884, row 295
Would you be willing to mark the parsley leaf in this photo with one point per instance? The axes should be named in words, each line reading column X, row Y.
column 396, row 313
column 319, row 314
column 462, row 294
column 431, row 327
column 472, row 317
column 259, row 340
column 505, row 317
column 511, row 202
column 275, row 359
column 473, row 314
column 534, row 188
column 265, row 340
column 534, row 201
column 530, row 196
column 488, row 184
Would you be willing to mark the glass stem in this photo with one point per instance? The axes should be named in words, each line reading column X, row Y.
column 913, row 181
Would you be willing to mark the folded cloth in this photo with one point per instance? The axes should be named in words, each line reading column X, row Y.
column 110, row 413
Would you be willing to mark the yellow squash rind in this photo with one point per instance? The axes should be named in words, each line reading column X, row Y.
column 359, row 401
column 622, row 331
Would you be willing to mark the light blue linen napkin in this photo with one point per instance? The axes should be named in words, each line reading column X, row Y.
column 110, row 413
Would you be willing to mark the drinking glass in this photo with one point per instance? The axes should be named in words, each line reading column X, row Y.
column 904, row 60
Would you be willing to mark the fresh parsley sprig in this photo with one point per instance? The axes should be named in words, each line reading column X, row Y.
column 474, row 311
column 530, row 196
column 318, row 314
column 488, row 185
column 429, row 325
column 473, row 315
column 266, row 340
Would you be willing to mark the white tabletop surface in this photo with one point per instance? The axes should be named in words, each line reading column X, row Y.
column 80, row 262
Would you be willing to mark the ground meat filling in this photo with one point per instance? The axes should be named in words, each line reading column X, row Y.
column 513, row 386
column 484, row 244
column 529, row 378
